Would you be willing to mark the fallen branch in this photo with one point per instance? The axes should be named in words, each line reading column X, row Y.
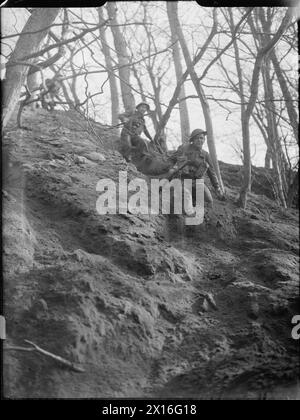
column 59, row 359
column 18, row 348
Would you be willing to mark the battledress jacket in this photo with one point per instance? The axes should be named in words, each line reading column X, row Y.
column 135, row 125
column 198, row 163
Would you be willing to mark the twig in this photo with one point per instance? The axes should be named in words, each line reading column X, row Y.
column 67, row 41
column 234, row 33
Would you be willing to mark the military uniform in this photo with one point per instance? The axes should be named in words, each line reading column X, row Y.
column 47, row 96
column 198, row 164
column 134, row 126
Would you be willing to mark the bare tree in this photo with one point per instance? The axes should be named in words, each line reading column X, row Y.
column 238, row 70
column 183, row 110
column 111, row 76
column 200, row 92
column 291, row 109
column 33, row 82
column 274, row 142
column 123, row 58
column 261, row 54
column 174, row 99
column 40, row 19
column 281, row 162
column 259, row 118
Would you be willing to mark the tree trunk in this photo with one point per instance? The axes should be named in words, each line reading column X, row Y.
column 33, row 84
column 268, row 159
column 245, row 129
column 264, row 132
column 183, row 110
column 291, row 109
column 123, row 59
column 114, row 96
column 200, row 92
column 156, row 93
column 262, row 53
column 293, row 190
column 174, row 99
column 275, row 148
column 67, row 96
column 26, row 44
column 73, row 84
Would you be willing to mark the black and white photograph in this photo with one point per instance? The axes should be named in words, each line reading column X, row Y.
column 150, row 203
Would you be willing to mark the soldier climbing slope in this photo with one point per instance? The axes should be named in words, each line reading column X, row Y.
column 191, row 162
column 134, row 126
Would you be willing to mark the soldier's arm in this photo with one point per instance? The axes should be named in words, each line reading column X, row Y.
column 121, row 117
column 124, row 116
column 147, row 134
column 212, row 174
column 178, row 160
column 172, row 156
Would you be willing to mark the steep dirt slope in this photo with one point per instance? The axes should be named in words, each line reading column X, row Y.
column 146, row 306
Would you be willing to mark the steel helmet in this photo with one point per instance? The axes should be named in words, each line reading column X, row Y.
column 145, row 104
column 196, row 132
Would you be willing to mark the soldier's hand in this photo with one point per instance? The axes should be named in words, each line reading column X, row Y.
column 122, row 118
column 170, row 173
column 220, row 195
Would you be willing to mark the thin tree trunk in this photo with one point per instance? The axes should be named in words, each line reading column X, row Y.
column 174, row 99
column 156, row 92
column 33, row 85
column 268, row 158
column 26, row 44
column 241, row 89
column 123, row 58
column 152, row 113
column 273, row 132
column 73, row 84
column 246, row 186
column 293, row 190
column 67, row 96
column 291, row 109
column 200, row 92
column 111, row 76
column 263, row 129
column 183, row 110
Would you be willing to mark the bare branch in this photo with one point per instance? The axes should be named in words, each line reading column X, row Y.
column 67, row 41
column 228, row 45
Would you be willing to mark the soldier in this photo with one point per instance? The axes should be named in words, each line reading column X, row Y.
column 134, row 126
column 191, row 162
column 49, row 92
